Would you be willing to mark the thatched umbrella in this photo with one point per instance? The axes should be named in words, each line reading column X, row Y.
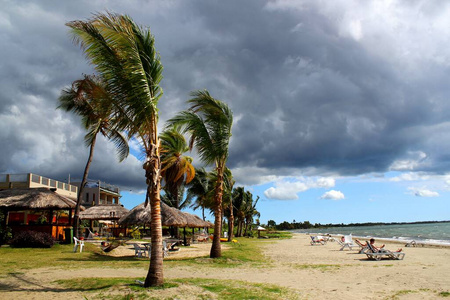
column 170, row 216
column 34, row 199
column 104, row 212
column 195, row 221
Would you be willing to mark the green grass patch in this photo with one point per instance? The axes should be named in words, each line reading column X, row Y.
column 245, row 252
column 444, row 294
column 90, row 284
column 231, row 289
column 61, row 256
column 127, row 288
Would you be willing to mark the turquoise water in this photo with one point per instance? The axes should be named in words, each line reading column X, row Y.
column 430, row 233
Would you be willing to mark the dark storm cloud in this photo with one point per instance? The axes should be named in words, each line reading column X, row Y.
column 313, row 85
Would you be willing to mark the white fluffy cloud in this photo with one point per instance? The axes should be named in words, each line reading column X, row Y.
column 333, row 195
column 288, row 190
column 423, row 192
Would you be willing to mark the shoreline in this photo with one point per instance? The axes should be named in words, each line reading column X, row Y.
column 419, row 243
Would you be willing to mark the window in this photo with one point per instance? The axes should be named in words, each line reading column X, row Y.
column 87, row 198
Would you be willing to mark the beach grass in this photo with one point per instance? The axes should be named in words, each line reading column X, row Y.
column 61, row 256
column 244, row 252
column 100, row 288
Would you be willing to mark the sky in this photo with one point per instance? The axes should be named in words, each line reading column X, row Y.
column 341, row 108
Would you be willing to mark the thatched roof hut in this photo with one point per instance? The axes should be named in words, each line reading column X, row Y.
column 195, row 221
column 34, row 199
column 104, row 212
column 140, row 215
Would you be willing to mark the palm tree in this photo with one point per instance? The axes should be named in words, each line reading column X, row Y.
column 90, row 99
column 239, row 197
column 250, row 211
column 198, row 188
column 228, row 201
column 176, row 169
column 209, row 122
column 124, row 54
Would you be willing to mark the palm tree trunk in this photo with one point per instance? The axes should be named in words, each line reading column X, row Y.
column 231, row 224
column 155, row 276
column 76, row 217
column 216, row 250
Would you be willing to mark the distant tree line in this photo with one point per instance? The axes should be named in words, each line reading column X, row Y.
column 307, row 225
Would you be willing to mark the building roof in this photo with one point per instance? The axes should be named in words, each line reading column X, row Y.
column 34, row 198
column 104, row 212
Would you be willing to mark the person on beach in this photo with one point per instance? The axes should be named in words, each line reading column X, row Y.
column 372, row 243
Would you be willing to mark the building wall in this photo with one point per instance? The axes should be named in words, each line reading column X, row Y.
column 95, row 194
column 30, row 180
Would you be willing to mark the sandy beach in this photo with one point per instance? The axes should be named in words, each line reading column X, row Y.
column 312, row 272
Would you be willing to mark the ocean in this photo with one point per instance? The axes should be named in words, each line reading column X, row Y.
column 427, row 233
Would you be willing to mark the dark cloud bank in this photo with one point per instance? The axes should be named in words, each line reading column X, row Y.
column 313, row 90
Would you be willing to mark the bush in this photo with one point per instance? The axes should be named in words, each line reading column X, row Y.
column 32, row 239
column 5, row 232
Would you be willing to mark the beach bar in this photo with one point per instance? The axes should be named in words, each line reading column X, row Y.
column 37, row 209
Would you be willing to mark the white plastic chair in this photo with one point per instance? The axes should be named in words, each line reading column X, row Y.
column 139, row 251
column 78, row 243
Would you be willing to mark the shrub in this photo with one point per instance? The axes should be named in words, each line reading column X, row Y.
column 5, row 232
column 32, row 239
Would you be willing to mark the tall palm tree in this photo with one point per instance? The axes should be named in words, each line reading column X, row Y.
column 198, row 188
column 239, row 197
column 124, row 54
column 176, row 168
column 209, row 122
column 250, row 211
column 90, row 99
column 228, row 201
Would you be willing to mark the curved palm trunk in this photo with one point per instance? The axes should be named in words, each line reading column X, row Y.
column 155, row 276
column 216, row 249
column 76, row 217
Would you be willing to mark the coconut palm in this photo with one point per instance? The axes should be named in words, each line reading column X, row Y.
column 250, row 211
column 239, row 197
column 124, row 54
column 208, row 122
column 228, row 201
column 176, row 168
column 90, row 99
column 198, row 188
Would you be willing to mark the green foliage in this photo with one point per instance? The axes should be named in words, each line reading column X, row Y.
column 5, row 231
column 136, row 234
column 444, row 294
column 32, row 239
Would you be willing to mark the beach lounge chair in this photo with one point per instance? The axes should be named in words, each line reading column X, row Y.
column 139, row 251
column 379, row 254
column 79, row 243
column 347, row 243
column 317, row 240
column 363, row 248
